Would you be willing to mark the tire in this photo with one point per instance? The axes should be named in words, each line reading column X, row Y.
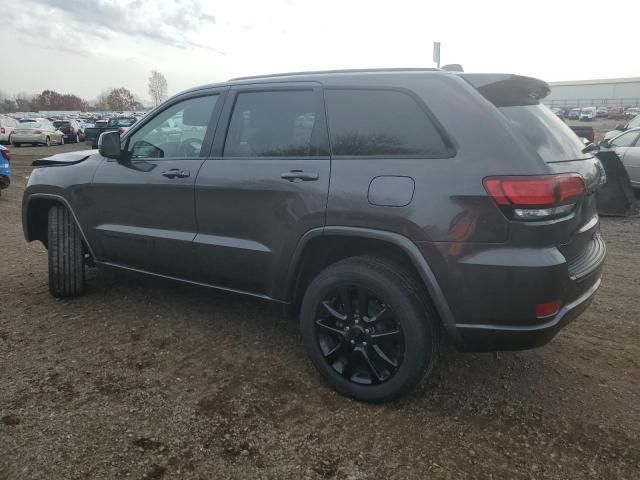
column 77, row 139
column 62, row 140
column 393, row 297
column 17, row 145
column 47, row 142
column 66, row 254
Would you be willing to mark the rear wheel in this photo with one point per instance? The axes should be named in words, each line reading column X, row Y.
column 47, row 142
column 62, row 140
column 17, row 145
column 77, row 139
column 66, row 254
column 369, row 328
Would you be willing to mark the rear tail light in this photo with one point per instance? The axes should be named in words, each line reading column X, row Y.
column 71, row 130
column 536, row 197
column 38, row 132
column 2, row 130
column 549, row 309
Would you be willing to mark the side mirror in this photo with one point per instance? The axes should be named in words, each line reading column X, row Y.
column 605, row 143
column 109, row 144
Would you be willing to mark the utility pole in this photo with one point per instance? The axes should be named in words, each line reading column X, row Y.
column 436, row 53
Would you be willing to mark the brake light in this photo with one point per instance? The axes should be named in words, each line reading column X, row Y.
column 536, row 197
column 71, row 130
column 1, row 129
column 548, row 309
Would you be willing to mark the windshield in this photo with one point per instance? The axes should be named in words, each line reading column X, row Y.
column 121, row 122
column 552, row 139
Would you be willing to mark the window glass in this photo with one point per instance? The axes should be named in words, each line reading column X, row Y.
column 176, row 132
column 275, row 124
column 552, row 139
column 380, row 122
column 625, row 140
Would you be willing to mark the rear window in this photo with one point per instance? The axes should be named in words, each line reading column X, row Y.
column 552, row 139
column 60, row 124
column 381, row 122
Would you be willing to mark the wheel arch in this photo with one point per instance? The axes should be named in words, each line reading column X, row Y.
column 321, row 247
column 35, row 217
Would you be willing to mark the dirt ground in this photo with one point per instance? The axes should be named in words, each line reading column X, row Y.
column 143, row 378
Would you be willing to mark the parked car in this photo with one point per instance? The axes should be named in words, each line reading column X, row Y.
column 574, row 113
column 33, row 120
column 627, row 146
column 584, row 132
column 602, row 112
column 119, row 124
column 631, row 112
column 345, row 195
column 37, row 133
column 635, row 122
column 73, row 132
column 616, row 112
column 587, row 114
column 5, row 168
column 7, row 124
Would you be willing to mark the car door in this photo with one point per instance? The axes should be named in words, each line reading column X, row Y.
column 631, row 162
column 142, row 206
column 265, row 186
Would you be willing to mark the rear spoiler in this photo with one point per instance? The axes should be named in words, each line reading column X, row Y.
column 506, row 90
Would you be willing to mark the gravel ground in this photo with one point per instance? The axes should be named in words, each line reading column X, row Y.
column 143, row 378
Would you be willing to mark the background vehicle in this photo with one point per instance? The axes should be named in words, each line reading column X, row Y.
column 584, row 131
column 627, row 146
column 5, row 168
column 587, row 113
column 120, row 124
column 615, row 112
column 574, row 113
column 635, row 122
column 71, row 129
column 36, row 133
column 33, row 120
column 631, row 112
column 602, row 112
column 7, row 125
column 383, row 244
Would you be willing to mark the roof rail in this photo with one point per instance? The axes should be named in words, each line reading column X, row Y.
column 355, row 70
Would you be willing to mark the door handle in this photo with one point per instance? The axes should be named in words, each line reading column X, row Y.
column 176, row 173
column 299, row 175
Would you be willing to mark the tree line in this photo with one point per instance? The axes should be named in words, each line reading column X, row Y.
column 116, row 99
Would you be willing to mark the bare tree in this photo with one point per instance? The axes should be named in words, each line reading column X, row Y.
column 157, row 87
column 120, row 99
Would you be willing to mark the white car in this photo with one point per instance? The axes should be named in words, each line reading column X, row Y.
column 36, row 133
column 588, row 113
column 627, row 146
column 6, row 127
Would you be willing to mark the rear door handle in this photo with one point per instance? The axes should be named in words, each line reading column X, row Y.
column 176, row 173
column 299, row 175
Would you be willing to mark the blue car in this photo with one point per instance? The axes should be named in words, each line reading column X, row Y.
column 5, row 168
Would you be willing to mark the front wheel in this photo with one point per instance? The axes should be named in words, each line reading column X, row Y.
column 66, row 254
column 369, row 328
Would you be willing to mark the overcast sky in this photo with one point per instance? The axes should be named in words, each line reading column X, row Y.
column 86, row 47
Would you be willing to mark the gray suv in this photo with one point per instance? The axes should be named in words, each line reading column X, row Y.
column 389, row 208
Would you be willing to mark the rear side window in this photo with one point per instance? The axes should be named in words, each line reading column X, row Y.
column 380, row 122
column 276, row 124
column 551, row 138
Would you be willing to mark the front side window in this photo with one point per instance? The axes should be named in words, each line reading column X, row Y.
column 380, row 122
column 627, row 139
column 276, row 124
column 176, row 132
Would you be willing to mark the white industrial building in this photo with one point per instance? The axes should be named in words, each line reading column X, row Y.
column 612, row 92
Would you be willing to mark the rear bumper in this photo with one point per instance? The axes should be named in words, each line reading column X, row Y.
column 487, row 338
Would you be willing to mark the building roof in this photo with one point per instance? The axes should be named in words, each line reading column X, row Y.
column 601, row 81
